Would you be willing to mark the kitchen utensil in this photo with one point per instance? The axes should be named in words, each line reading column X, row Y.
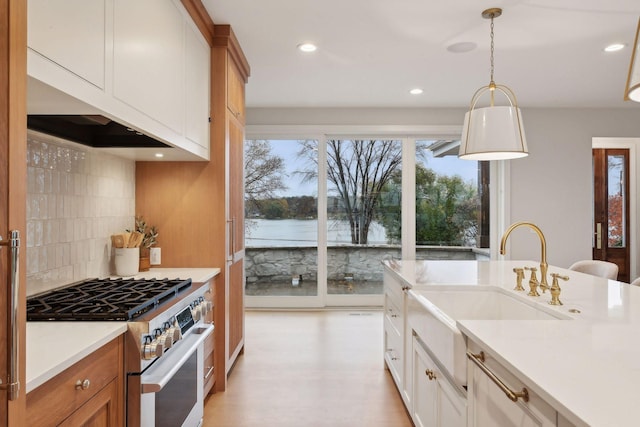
column 117, row 241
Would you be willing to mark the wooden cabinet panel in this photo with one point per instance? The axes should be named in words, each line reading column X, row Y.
column 148, row 58
column 55, row 400
column 236, row 188
column 236, row 310
column 100, row 411
column 235, row 93
column 78, row 45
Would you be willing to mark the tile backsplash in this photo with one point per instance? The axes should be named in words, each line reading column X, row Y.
column 77, row 197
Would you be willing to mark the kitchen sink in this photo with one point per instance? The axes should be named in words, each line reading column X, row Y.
column 433, row 315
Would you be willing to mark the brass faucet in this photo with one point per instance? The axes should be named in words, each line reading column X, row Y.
column 544, row 285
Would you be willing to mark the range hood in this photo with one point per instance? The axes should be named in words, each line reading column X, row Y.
column 92, row 130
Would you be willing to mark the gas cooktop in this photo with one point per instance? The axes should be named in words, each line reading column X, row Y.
column 104, row 299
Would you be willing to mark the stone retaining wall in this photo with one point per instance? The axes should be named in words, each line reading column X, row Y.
column 357, row 263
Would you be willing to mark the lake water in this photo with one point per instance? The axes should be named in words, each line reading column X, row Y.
column 297, row 232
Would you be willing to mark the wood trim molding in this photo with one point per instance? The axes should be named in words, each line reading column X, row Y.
column 225, row 37
column 201, row 18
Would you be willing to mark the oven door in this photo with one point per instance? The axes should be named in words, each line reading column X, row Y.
column 171, row 388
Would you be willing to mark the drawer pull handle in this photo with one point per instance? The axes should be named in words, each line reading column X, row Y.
column 83, row 385
column 430, row 374
column 209, row 372
column 478, row 359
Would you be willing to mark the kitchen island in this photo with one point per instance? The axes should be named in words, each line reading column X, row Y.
column 582, row 363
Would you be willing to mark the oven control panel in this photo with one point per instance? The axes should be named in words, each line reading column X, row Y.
column 184, row 319
column 157, row 341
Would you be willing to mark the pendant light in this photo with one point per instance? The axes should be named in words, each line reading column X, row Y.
column 632, row 91
column 493, row 132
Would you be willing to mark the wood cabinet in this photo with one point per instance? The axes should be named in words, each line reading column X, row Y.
column 199, row 206
column 89, row 393
column 436, row 401
column 489, row 406
column 209, row 344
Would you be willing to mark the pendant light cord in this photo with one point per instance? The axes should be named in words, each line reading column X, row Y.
column 492, row 49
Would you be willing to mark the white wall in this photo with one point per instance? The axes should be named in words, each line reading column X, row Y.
column 551, row 187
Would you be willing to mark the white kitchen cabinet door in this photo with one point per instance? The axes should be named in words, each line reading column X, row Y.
column 148, row 59
column 489, row 406
column 436, row 403
column 77, row 45
column 197, row 65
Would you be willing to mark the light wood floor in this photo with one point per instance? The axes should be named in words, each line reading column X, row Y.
column 309, row 369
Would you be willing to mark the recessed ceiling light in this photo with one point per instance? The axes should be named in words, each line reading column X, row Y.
column 614, row 47
column 159, row 155
column 462, row 47
column 307, row 47
column 416, row 91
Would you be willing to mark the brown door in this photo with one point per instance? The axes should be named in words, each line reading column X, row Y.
column 611, row 240
column 13, row 164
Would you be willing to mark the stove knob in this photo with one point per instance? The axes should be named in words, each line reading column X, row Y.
column 203, row 308
column 196, row 313
column 152, row 350
column 166, row 340
column 174, row 332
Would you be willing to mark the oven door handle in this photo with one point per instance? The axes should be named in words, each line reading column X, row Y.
column 161, row 372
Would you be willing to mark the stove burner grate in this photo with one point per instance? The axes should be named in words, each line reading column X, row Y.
column 104, row 299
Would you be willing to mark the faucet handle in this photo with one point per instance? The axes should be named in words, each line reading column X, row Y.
column 519, row 276
column 555, row 288
column 533, row 282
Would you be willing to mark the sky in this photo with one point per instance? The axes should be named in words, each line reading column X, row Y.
column 288, row 150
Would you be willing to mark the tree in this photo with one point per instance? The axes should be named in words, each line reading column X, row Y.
column 358, row 170
column 446, row 209
column 263, row 173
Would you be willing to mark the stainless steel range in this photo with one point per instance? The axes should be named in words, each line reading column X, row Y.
column 163, row 343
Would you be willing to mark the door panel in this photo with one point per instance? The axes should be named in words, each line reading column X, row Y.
column 611, row 228
column 13, row 178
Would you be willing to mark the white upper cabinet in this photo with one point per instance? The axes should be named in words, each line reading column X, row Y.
column 197, row 66
column 142, row 63
column 77, row 45
column 148, row 58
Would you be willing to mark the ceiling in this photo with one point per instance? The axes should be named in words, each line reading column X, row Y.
column 372, row 52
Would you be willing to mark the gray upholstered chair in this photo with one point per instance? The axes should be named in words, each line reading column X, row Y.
column 605, row 269
column 636, row 282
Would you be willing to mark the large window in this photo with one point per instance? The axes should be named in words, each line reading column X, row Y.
column 321, row 215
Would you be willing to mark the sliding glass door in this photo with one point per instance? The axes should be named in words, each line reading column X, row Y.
column 322, row 213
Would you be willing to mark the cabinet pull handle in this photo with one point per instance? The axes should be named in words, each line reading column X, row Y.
column 209, row 372
column 13, row 384
column 478, row 359
column 232, row 221
column 83, row 385
column 430, row 374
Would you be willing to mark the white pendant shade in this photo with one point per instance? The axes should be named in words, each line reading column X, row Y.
column 632, row 91
column 493, row 133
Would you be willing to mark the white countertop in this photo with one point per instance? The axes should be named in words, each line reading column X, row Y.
column 588, row 368
column 53, row 346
